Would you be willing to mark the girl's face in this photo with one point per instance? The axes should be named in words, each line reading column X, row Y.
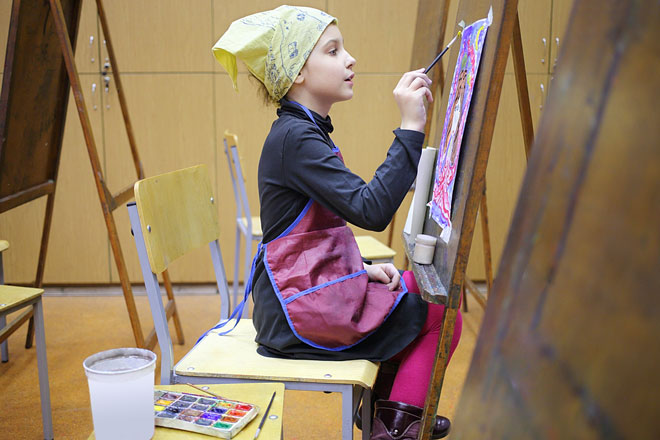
column 327, row 76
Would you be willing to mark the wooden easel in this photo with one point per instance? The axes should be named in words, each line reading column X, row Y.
column 110, row 202
column 528, row 137
column 429, row 14
column 569, row 343
column 442, row 281
column 53, row 18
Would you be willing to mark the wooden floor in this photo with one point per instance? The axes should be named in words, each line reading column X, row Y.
column 78, row 325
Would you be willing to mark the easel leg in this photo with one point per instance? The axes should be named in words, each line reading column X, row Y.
column 43, row 249
column 485, row 233
column 438, row 375
column 129, row 299
column 521, row 86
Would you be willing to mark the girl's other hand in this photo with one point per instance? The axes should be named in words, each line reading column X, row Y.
column 409, row 95
column 384, row 273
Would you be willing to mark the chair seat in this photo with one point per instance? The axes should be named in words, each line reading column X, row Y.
column 13, row 296
column 235, row 356
column 256, row 226
column 374, row 250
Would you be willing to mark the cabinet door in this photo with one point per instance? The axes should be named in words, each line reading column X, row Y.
column 561, row 11
column 535, row 33
column 506, row 166
column 78, row 247
column 160, row 35
column 172, row 119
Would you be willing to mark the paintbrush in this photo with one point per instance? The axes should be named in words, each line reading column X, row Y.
column 437, row 58
column 263, row 419
column 206, row 391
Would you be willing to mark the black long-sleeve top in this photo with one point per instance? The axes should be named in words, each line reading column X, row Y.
column 297, row 163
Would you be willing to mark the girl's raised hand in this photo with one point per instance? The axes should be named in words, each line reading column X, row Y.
column 409, row 95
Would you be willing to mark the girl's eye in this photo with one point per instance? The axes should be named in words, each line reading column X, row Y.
column 333, row 51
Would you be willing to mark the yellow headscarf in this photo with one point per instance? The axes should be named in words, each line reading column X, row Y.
column 274, row 45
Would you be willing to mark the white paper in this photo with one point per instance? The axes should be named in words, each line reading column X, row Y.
column 415, row 219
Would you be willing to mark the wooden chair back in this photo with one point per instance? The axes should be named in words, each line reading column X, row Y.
column 178, row 214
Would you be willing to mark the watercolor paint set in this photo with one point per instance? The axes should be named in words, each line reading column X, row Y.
column 209, row 415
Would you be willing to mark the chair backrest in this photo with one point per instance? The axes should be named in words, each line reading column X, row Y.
column 177, row 214
column 173, row 214
column 237, row 177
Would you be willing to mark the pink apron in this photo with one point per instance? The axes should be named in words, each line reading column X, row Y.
column 317, row 273
column 318, row 276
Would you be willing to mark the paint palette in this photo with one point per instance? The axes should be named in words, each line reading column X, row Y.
column 203, row 414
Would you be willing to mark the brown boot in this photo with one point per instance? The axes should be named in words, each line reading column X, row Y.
column 382, row 387
column 400, row 421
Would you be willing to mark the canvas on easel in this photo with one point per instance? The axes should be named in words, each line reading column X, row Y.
column 460, row 94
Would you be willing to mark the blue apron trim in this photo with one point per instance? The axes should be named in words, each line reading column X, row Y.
column 237, row 313
column 278, row 294
column 296, row 221
column 320, row 286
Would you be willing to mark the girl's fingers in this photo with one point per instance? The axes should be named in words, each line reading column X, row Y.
column 409, row 77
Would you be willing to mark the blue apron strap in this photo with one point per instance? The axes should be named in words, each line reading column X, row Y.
column 237, row 313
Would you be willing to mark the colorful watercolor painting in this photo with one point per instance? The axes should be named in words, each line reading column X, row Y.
column 460, row 94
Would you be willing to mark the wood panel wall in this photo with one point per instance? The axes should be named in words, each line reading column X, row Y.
column 181, row 102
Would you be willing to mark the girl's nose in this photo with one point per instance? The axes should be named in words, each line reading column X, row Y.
column 350, row 61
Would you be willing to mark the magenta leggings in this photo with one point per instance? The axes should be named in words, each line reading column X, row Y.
column 414, row 374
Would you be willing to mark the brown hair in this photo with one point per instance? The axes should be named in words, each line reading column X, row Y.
column 262, row 91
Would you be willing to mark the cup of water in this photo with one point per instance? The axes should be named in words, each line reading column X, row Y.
column 121, row 391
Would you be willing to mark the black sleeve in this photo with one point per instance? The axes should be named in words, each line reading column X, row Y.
column 310, row 167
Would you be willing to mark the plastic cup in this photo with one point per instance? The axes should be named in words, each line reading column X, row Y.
column 121, row 391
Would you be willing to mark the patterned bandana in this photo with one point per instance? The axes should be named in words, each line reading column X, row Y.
column 274, row 45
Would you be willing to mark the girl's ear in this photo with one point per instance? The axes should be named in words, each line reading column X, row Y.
column 300, row 78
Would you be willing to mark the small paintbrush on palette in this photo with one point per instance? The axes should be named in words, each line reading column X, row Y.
column 209, row 415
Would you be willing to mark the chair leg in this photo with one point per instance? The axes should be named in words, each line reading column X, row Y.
column 237, row 254
column 366, row 414
column 29, row 337
column 347, row 411
column 4, row 347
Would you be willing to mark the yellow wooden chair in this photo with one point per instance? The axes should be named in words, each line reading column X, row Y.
column 28, row 301
column 175, row 213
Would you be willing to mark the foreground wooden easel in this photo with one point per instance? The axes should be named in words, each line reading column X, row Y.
column 33, row 109
column 568, row 346
column 442, row 282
